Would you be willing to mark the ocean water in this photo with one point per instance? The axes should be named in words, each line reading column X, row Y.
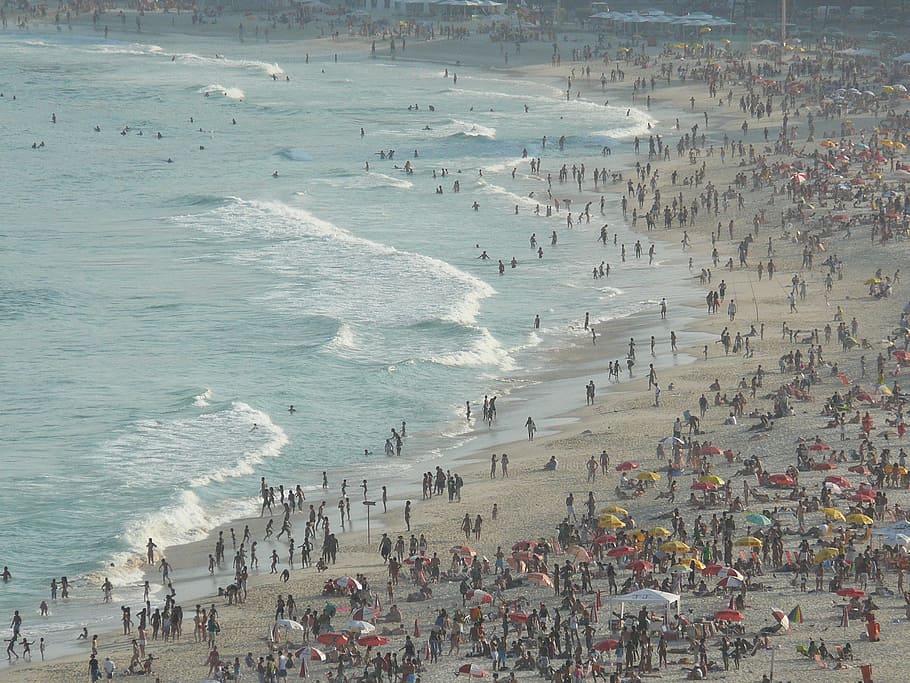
column 157, row 319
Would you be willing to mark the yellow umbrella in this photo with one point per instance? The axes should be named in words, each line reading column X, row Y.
column 887, row 143
column 647, row 476
column 826, row 554
column 828, row 143
column 659, row 532
column 614, row 510
column 610, row 522
column 637, row 535
column 748, row 542
column 712, row 479
column 679, row 568
column 858, row 518
column 675, row 547
column 900, row 145
column 834, row 513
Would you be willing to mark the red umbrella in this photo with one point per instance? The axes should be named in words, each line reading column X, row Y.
column 314, row 654
column 540, row 579
column 782, row 480
column 365, row 614
column 862, row 498
column 519, row 617
column 710, row 450
column 712, row 569
column 480, row 596
column 859, row 469
column 413, row 558
column 627, row 466
column 604, row 645
column 728, row 615
column 373, row 641
column 621, row 551
column 841, row 217
column 824, row 466
column 640, row 566
column 704, row 486
column 819, row 447
column 335, row 639
column 851, row 593
column 605, row 538
column 840, row 480
column 516, row 564
column 729, row 582
column 525, row 545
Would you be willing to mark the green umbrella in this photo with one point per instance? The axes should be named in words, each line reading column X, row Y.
column 756, row 519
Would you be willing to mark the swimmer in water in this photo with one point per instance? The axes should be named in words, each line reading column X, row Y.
column 292, row 409
column 255, row 427
column 275, row 174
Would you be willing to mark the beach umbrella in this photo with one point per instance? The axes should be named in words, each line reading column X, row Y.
column 672, row 440
column 659, row 532
column 605, row 538
column 314, row 654
column 728, row 615
column 627, row 466
column 730, row 573
column 348, row 583
column 756, row 519
column 675, row 547
column 365, row 614
column 372, row 641
column 472, row 670
column 862, row 497
column 799, row 178
column 525, row 545
column 729, row 582
column 782, row 480
column 680, row 569
column 849, row 592
column 540, row 579
column 704, row 486
column 828, row 143
column 710, row 450
column 480, row 597
column 832, row 487
column 605, row 645
column 334, row 639
column 712, row 569
column 518, row 617
column 610, row 522
column 824, row 466
column 290, row 624
column 578, row 553
column 463, row 550
column 781, row 617
column 826, row 554
column 614, row 510
column 840, row 480
column 640, row 566
column 833, row 513
column 691, row 562
column 524, row 555
column 621, row 551
column 819, row 447
column 861, row 519
column 712, row 479
column 748, row 542
column 647, row 476
column 357, row 626
column 413, row 558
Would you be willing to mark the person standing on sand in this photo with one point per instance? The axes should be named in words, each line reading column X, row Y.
column 531, row 428
column 407, row 515
column 150, row 548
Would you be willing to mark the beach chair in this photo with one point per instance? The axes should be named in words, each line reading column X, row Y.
column 790, row 562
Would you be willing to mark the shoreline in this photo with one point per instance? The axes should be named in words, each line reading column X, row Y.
column 475, row 467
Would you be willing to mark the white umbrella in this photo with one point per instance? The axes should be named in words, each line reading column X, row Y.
column 291, row 624
column 358, row 626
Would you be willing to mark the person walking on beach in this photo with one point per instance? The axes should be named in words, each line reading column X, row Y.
column 531, row 428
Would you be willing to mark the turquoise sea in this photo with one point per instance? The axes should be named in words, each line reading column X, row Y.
column 157, row 319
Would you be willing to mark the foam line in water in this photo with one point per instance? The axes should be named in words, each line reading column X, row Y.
column 326, row 261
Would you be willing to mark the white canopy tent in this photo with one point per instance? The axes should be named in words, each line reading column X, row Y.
column 647, row 597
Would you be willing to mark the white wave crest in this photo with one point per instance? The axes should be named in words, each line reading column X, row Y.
column 485, row 351
column 217, row 89
column 202, row 400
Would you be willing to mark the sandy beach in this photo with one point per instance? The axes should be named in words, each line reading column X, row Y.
column 725, row 476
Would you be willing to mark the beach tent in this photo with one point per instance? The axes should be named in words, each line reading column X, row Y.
column 647, row 597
